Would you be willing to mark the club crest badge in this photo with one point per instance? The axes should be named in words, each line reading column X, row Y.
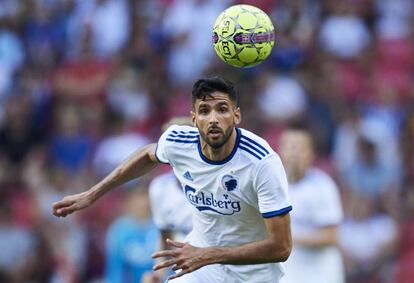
column 229, row 183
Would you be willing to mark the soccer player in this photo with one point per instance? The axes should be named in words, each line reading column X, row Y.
column 171, row 211
column 172, row 214
column 315, row 257
column 235, row 182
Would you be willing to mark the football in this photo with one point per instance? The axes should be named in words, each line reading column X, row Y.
column 243, row 36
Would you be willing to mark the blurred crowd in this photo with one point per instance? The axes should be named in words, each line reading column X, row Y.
column 83, row 84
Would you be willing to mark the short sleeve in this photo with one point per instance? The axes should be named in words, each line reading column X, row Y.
column 272, row 187
column 328, row 208
column 161, row 152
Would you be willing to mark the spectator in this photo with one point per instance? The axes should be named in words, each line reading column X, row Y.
column 70, row 147
column 17, row 244
column 108, row 23
column 344, row 34
column 83, row 79
column 17, row 134
column 283, row 98
column 128, row 95
column 131, row 239
column 367, row 238
column 119, row 143
column 188, row 23
column 12, row 56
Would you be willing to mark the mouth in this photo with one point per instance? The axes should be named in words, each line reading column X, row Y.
column 214, row 133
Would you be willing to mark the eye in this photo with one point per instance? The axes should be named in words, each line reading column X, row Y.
column 203, row 111
column 223, row 109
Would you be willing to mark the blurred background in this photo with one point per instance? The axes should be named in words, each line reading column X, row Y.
column 83, row 84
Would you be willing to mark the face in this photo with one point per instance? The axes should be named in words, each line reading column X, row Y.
column 296, row 152
column 215, row 117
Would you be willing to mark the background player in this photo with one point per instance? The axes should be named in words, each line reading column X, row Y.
column 171, row 212
column 317, row 214
column 236, row 183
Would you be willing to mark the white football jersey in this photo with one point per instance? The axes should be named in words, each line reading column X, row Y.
column 230, row 198
column 170, row 209
column 317, row 204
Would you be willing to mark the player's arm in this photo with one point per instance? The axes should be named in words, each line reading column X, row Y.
column 322, row 237
column 138, row 164
column 276, row 248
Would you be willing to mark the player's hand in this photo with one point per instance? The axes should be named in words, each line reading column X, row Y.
column 72, row 203
column 185, row 258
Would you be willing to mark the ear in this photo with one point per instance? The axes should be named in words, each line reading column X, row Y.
column 193, row 118
column 237, row 116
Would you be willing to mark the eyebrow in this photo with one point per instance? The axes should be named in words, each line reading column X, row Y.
column 225, row 103
column 221, row 103
column 203, row 105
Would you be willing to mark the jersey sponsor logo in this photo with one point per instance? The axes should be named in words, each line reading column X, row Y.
column 229, row 182
column 221, row 204
column 188, row 176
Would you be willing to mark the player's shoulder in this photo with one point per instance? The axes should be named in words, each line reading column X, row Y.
column 254, row 147
column 316, row 173
column 182, row 129
column 181, row 134
column 323, row 179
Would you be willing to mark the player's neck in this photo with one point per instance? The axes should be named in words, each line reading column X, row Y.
column 218, row 154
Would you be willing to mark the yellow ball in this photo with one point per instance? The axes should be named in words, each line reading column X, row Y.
column 243, row 36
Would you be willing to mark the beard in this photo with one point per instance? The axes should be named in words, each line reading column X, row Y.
column 216, row 144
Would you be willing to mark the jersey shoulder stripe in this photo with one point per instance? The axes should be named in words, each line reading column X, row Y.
column 244, row 137
column 252, row 147
column 182, row 136
column 181, row 140
column 184, row 132
column 249, row 151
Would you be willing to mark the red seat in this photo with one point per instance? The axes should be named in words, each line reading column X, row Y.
column 405, row 262
column 395, row 53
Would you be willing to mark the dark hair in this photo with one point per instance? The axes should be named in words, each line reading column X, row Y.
column 206, row 86
column 299, row 125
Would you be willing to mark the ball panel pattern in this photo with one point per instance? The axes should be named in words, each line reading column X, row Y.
column 243, row 36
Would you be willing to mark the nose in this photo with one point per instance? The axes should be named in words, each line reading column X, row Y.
column 213, row 118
